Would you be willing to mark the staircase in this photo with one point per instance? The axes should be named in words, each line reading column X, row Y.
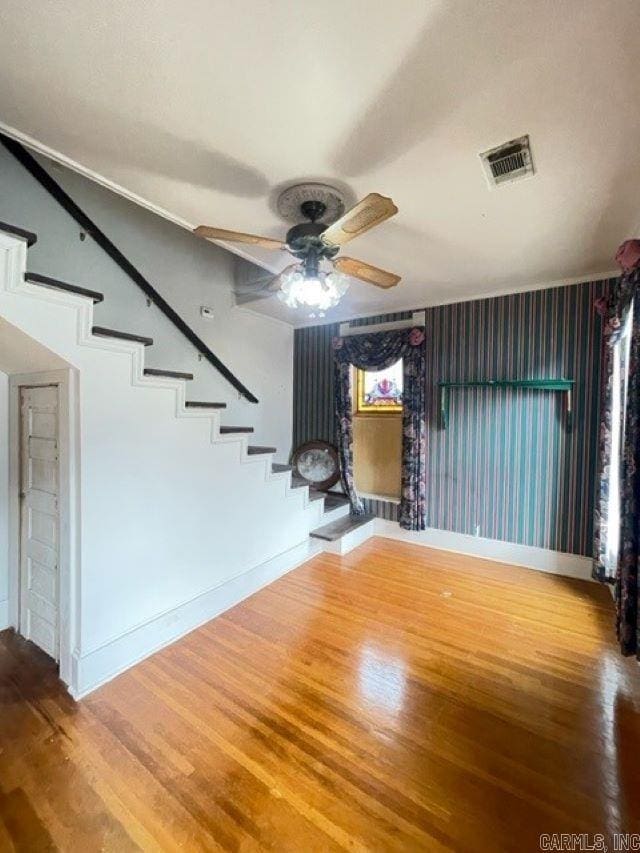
column 337, row 528
column 94, row 297
column 181, row 514
column 331, row 509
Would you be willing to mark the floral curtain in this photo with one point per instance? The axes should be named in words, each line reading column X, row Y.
column 615, row 312
column 624, row 574
column 377, row 351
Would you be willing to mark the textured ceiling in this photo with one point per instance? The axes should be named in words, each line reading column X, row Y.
column 206, row 108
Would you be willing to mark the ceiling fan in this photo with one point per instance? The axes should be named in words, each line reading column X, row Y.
column 316, row 244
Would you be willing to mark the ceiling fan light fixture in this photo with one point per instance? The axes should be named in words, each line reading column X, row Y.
column 314, row 244
column 317, row 293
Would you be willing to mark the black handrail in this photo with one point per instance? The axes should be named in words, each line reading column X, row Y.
column 53, row 188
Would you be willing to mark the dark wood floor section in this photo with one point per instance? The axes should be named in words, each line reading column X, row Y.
column 394, row 699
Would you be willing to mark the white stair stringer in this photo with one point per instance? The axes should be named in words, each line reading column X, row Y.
column 170, row 510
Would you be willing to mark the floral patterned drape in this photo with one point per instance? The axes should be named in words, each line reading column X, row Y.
column 625, row 574
column 376, row 351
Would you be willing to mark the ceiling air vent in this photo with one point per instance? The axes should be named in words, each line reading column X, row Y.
column 509, row 162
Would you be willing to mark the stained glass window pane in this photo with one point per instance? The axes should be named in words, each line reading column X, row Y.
column 380, row 390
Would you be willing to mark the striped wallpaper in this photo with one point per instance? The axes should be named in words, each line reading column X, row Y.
column 505, row 466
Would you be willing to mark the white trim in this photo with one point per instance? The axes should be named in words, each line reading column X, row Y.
column 4, row 614
column 541, row 559
column 418, row 319
column 68, row 498
column 58, row 157
column 99, row 665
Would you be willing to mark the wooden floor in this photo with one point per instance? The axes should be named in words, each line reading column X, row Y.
column 394, row 699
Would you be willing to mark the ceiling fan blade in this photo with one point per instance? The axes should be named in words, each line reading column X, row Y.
column 366, row 272
column 210, row 233
column 276, row 282
column 371, row 211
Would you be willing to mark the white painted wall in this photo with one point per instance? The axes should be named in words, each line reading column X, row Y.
column 4, row 500
column 186, row 270
column 176, row 522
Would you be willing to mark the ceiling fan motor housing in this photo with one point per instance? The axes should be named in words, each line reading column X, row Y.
column 305, row 241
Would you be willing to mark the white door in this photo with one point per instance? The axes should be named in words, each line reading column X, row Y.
column 39, row 519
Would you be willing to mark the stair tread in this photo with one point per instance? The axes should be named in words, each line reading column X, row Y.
column 277, row 468
column 224, row 430
column 22, row 233
column 102, row 332
column 338, row 529
column 203, row 404
column 255, row 449
column 56, row 284
column 170, row 374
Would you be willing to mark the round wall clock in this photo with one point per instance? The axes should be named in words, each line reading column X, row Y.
column 317, row 462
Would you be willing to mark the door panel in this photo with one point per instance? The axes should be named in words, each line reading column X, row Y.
column 42, row 580
column 44, row 425
column 43, row 528
column 41, row 448
column 42, row 633
column 43, row 475
column 39, row 519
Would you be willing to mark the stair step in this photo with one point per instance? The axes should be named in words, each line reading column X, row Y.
column 169, row 374
column 338, row 529
column 332, row 500
column 315, row 495
column 55, row 284
column 101, row 332
column 200, row 404
column 254, row 450
column 228, row 430
column 277, row 468
column 15, row 231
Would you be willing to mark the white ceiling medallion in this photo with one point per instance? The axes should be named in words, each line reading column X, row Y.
column 290, row 200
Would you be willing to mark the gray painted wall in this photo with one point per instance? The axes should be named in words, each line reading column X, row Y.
column 186, row 270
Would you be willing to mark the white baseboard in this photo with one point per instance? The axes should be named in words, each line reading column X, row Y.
column 94, row 668
column 4, row 614
column 541, row 559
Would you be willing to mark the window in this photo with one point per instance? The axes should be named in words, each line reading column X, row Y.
column 377, row 432
column 379, row 391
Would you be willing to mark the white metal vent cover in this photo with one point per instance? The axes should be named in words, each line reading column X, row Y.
column 509, row 162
